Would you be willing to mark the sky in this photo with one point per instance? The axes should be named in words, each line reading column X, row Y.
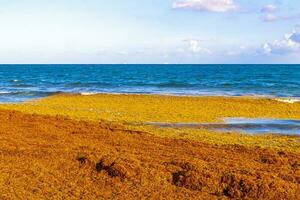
column 150, row 31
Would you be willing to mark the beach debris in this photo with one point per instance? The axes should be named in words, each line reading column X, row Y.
column 113, row 170
column 81, row 159
column 123, row 169
column 238, row 187
column 187, row 175
column 187, row 179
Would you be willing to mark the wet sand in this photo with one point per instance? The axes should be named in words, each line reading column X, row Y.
column 92, row 156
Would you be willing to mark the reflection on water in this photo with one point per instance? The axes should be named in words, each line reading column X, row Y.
column 244, row 125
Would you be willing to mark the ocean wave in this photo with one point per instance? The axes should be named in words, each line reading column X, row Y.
column 27, row 93
column 181, row 80
column 15, row 80
column 174, row 84
column 22, row 86
column 4, row 92
column 87, row 85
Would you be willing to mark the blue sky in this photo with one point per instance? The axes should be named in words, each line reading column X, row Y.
column 152, row 31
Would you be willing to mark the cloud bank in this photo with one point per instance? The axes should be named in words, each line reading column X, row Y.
column 207, row 5
column 289, row 44
column 195, row 46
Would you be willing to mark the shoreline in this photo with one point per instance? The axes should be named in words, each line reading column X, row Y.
column 285, row 99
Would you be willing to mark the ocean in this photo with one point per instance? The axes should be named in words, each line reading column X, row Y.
column 24, row 82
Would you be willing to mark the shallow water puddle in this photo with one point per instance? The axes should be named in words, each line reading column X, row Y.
column 244, row 125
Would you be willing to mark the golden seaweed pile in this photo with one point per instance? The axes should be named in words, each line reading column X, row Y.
column 128, row 109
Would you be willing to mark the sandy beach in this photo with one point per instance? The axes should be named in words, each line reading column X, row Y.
column 78, row 146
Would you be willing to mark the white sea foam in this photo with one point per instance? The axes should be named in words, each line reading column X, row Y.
column 288, row 100
column 4, row 92
column 88, row 93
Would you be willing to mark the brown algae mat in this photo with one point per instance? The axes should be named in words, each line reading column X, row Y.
column 45, row 157
column 158, row 108
column 154, row 108
column 75, row 147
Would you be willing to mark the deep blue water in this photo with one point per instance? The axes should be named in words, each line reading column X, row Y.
column 23, row 82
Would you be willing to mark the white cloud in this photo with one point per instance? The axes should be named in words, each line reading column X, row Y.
column 270, row 8
column 295, row 37
column 195, row 46
column 271, row 14
column 289, row 44
column 207, row 5
column 272, row 18
column 269, row 17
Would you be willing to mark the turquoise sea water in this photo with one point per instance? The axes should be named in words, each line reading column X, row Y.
column 23, row 82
